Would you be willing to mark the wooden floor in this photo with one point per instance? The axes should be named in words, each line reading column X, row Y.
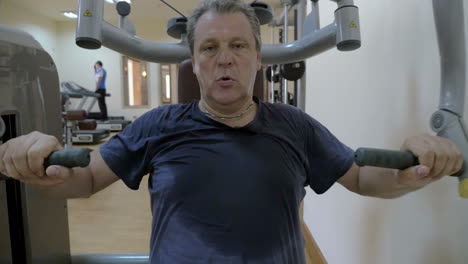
column 115, row 220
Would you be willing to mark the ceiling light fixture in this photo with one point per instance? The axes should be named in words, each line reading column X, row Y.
column 116, row 1
column 69, row 14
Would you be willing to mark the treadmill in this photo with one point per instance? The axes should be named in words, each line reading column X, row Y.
column 89, row 136
column 113, row 123
column 80, row 136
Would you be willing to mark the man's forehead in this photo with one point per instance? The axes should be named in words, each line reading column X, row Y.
column 232, row 37
column 212, row 14
column 233, row 25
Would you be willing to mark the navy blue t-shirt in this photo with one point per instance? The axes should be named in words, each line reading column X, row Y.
column 222, row 194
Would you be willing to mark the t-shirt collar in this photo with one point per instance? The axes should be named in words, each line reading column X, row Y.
column 255, row 126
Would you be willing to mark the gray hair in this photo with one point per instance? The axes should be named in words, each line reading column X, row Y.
column 223, row 7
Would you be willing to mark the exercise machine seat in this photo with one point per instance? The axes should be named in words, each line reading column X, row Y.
column 87, row 124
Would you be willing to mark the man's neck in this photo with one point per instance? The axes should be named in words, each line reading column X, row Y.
column 235, row 116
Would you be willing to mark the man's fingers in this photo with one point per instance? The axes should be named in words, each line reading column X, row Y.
column 54, row 175
column 20, row 160
column 441, row 155
column 458, row 165
column 447, row 158
column 40, row 151
column 421, row 147
column 16, row 158
column 428, row 159
column 415, row 176
column 422, row 171
column 449, row 168
column 10, row 169
column 440, row 165
column 3, row 148
column 457, row 155
column 58, row 172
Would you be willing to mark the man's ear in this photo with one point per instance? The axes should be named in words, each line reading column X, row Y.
column 193, row 65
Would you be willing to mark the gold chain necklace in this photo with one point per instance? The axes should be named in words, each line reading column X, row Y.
column 228, row 117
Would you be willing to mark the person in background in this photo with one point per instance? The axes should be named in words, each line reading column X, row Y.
column 101, row 75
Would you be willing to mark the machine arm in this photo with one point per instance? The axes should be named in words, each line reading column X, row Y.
column 93, row 32
column 448, row 120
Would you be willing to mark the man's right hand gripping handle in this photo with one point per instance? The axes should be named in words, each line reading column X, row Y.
column 29, row 159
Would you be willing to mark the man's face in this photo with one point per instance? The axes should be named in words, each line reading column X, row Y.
column 225, row 59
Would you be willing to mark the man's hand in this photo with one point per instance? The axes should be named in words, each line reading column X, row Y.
column 22, row 158
column 438, row 157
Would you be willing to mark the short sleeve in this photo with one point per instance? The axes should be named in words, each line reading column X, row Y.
column 100, row 73
column 126, row 153
column 328, row 158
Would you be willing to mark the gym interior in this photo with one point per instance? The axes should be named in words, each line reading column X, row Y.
column 374, row 95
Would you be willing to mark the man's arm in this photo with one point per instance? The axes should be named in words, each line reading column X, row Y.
column 99, row 81
column 80, row 182
column 438, row 157
column 373, row 181
column 22, row 158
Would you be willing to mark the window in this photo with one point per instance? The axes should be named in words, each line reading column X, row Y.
column 169, row 83
column 135, row 74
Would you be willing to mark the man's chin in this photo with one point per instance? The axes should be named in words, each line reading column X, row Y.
column 227, row 98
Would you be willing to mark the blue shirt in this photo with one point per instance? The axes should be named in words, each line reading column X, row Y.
column 222, row 194
column 101, row 73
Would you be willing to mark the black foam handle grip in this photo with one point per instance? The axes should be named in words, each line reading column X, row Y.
column 70, row 158
column 391, row 159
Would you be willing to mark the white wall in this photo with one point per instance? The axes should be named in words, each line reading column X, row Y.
column 375, row 97
column 42, row 29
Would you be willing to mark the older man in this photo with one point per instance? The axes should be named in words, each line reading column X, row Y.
column 227, row 173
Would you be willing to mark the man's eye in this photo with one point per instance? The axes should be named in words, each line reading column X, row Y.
column 208, row 48
column 239, row 46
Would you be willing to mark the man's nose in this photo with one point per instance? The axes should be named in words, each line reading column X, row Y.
column 225, row 58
